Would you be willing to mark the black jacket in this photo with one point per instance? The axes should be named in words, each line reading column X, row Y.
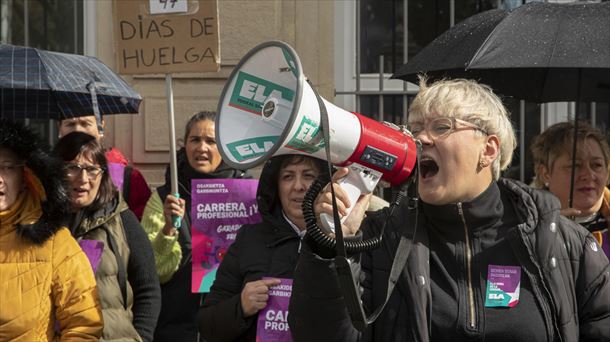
column 267, row 249
column 568, row 273
column 178, row 304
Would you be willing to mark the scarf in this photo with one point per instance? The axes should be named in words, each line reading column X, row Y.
column 26, row 209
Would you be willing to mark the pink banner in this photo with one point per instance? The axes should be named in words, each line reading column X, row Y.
column 219, row 207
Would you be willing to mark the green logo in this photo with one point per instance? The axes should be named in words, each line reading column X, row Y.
column 251, row 148
column 250, row 92
column 308, row 137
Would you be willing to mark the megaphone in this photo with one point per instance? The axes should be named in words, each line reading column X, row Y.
column 267, row 108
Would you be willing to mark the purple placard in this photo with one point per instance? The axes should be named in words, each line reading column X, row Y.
column 272, row 325
column 219, row 207
column 93, row 250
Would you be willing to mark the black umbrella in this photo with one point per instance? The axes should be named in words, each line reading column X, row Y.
column 541, row 52
column 42, row 84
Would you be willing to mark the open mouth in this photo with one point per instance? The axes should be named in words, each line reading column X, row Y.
column 427, row 167
column 202, row 159
column 79, row 192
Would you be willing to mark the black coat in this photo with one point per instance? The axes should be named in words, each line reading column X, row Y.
column 267, row 249
column 569, row 275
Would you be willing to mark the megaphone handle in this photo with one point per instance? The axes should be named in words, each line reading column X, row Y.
column 360, row 180
column 176, row 220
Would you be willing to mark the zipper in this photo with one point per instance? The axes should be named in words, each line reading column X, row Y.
column 471, row 308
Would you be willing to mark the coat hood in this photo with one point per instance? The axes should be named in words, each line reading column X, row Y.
column 35, row 153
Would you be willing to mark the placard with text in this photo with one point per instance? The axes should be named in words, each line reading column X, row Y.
column 166, row 36
column 219, row 207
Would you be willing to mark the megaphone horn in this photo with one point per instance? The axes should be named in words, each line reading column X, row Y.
column 266, row 108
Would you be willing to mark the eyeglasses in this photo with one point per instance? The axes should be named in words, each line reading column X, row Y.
column 74, row 170
column 440, row 128
column 7, row 170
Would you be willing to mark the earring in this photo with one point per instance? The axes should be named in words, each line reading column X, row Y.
column 482, row 164
column 546, row 185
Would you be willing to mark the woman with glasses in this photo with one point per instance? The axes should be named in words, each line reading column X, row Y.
column 47, row 288
column 488, row 258
column 552, row 153
column 126, row 278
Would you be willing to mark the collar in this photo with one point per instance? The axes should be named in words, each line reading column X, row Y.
column 481, row 213
column 296, row 229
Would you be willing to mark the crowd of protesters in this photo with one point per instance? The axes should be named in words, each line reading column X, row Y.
column 89, row 252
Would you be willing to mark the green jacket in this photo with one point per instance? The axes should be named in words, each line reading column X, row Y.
column 106, row 225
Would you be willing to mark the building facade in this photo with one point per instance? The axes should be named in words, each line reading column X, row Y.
column 349, row 49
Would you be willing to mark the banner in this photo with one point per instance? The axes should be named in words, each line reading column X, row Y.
column 218, row 209
column 272, row 323
column 166, row 36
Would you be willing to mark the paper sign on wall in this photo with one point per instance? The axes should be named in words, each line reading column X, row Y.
column 168, row 6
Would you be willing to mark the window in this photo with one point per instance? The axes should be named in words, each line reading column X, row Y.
column 55, row 25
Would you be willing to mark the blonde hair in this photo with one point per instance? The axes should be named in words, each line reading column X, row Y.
column 470, row 101
column 557, row 140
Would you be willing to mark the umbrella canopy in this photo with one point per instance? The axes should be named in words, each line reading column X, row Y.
column 541, row 52
column 43, row 84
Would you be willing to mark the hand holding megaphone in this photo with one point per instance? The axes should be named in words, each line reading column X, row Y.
column 351, row 207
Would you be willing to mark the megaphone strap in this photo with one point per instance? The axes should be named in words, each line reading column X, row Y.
column 342, row 263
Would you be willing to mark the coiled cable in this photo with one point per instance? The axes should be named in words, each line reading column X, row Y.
column 351, row 247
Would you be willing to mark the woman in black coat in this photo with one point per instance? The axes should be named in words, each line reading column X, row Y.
column 267, row 249
column 488, row 258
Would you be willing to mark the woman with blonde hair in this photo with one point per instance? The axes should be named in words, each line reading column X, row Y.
column 553, row 164
column 488, row 258
column 47, row 288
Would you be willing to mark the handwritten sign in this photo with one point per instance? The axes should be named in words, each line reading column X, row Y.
column 219, row 207
column 154, row 37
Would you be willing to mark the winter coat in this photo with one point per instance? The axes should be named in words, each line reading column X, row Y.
column 173, row 257
column 266, row 249
column 567, row 272
column 47, row 288
column 126, row 277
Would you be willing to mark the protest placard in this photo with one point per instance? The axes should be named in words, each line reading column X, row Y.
column 219, row 207
column 166, row 36
column 272, row 325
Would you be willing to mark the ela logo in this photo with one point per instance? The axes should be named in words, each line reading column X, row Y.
column 308, row 137
column 251, row 148
column 496, row 296
column 250, row 92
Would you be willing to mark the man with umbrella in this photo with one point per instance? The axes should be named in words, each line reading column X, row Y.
column 77, row 91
